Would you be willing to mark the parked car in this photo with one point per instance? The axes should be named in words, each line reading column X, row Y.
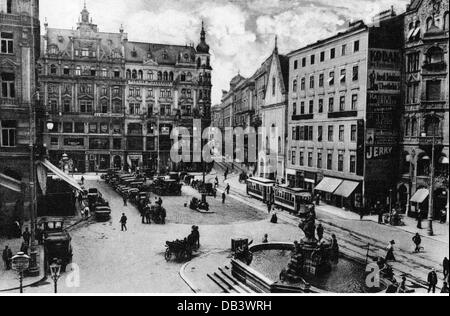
column 57, row 243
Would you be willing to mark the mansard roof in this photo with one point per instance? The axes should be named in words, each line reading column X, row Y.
column 159, row 53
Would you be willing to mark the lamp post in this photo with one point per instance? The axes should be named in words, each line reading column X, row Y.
column 20, row 264
column 431, row 189
column 55, row 270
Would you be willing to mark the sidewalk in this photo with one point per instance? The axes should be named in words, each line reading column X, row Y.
column 9, row 280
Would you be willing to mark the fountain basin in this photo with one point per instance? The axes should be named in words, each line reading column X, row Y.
column 269, row 260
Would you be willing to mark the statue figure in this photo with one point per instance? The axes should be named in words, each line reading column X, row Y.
column 308, row 226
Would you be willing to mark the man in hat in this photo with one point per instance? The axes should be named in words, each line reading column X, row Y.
column 417, row 241
column 7, row 257
column 123, row 222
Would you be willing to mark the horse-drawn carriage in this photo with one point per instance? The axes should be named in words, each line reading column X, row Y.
column 183, row 249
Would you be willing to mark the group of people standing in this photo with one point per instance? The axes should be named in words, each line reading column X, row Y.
column 7, row 254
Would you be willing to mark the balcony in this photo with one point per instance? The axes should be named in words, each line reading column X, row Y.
column 434, row 67
column 343, row 114
column 302, row 117
column 433, row 105
column 428, row 140
column 9, row 101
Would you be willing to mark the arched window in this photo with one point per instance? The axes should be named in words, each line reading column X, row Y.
column 199, row 62
column 189, row 76
column 430, row 22
column 150, row 75
column 171, row 76
column 295, row 86
column 423, row 165
column 78, row 71
column 435, row 55
column 445, row 21
column 407, row 127
column 200, row 78
column 183, row 77
column 166, row 76
column 128, row 74
column 140, row 75
column 134, row 74
column 159, row 75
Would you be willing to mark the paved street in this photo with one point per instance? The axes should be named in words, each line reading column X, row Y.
column 133, row 262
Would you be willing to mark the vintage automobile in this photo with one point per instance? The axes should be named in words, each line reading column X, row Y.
column 57, row 242
column 102, row 213
column 166, row 187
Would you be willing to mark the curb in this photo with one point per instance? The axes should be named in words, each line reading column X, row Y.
column 42, row 271
column 186, row 280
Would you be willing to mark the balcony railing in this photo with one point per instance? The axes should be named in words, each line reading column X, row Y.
column 435, row 67
column 9, row 101
column 431, row 105
column 302, row 117
column 342, row 114
column 428, row 140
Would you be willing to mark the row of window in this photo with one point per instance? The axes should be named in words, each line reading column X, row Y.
column 304, row 158
column 80, row 128
column 433, row 92
column 321, row 79
column 345, row 50
column 84, row 71
column 84, row 106
column 414, row 27
column 434, row 55
column 310, row 107
column 306, row 133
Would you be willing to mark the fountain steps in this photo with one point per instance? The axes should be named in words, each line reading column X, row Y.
column 225, row 281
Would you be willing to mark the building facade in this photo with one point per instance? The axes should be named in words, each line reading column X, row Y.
column 114, row 102
column 272, row 157
column 343, row 99
column 425, row 106
column 21, row 120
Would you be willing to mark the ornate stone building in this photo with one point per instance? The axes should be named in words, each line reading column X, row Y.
column 20, row 112
column 167, row 86
column 426, row 106
column 114, row 102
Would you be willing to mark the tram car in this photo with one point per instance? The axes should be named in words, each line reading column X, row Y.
column 261, row 189
column 294, row 200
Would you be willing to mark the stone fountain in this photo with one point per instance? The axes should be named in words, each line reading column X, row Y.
column 310, row 257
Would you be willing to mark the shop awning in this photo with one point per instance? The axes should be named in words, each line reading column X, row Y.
column 60, row 174
column 10, row 183
column 329, row 185
column 420, row 196
column 346, row 188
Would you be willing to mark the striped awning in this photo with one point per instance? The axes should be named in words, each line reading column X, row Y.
column 60, row 174
column 420, row 196
column 346, row 188
column 10, row 183
column 329, row 185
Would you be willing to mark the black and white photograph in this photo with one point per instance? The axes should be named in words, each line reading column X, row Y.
column 224, row 148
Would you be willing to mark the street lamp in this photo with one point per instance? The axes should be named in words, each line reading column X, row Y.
column 55, row 271
column 20, row 264
column 431, row 189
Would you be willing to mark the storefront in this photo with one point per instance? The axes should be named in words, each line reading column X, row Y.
column 340, row 193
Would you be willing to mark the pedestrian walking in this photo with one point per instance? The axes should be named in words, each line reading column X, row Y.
column 445, row 288
column 225, row 175
column 160, row 202
column 7, row 257
column 125, row 199
column 445, row 266
column 123, row 222
column 86, row 212
column 216, row 183
column 419, row 220
column 432, row 281
column 320, row 232
column 269, row 207
column 224, row 197
column 390, row 252
column 148, row 215
column 265, row 239
column 379, row 210
column 228, row 188
column 82, row 180
column 443, row 216
column 274, row 219
column 417, row 240
column 26, row 236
